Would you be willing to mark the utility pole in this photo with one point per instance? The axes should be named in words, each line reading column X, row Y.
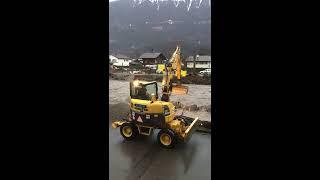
column 195, row 56
column 194, row 63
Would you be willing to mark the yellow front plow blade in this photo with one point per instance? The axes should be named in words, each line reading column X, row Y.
column 190, row 130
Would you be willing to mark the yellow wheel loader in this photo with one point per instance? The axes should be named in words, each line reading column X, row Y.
column 149, row 112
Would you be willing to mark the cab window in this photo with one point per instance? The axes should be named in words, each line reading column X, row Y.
column 143, row 92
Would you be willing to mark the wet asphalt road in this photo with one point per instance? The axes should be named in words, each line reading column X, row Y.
column 144, row 159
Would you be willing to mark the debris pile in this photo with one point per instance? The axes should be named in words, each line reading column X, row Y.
column 194, row 79
column 192, row 107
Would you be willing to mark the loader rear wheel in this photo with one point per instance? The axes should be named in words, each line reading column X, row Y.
column 166, row 138
column 129, row 131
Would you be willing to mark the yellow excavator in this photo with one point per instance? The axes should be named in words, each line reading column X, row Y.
column 148, row 111
column 171, row 69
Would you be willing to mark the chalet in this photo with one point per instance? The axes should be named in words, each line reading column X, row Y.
column 119, row 60
column 152, row 59
column 201, row 62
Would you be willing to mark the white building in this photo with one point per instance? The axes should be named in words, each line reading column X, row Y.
column 120, row 60
column 201, row 62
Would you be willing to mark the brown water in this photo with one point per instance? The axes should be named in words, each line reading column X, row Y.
column 198, row 94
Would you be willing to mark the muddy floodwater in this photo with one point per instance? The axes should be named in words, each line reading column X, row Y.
column 143, row 158
column 199, row 95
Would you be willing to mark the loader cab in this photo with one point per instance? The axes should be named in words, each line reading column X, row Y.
column 143, row 90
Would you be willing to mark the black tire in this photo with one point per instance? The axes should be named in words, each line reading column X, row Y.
column 168, row 133
column 151, row 133
column 134, row 131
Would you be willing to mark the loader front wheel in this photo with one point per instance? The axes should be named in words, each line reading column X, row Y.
column 129, row 131
column 166, row 138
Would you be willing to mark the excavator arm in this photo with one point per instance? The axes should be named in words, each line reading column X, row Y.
column 171, row 69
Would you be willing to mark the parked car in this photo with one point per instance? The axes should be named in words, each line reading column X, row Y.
column 206, row 71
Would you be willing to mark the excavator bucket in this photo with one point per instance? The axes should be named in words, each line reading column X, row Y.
column 116, row 124
column 179, row 89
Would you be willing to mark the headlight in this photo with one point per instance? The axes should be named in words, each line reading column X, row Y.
column 135, row 83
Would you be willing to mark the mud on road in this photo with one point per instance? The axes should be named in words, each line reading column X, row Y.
column 143, row 159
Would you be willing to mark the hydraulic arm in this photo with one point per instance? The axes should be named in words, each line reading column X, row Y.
column 173, row 68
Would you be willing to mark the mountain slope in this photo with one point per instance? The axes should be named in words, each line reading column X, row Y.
column 136, row 28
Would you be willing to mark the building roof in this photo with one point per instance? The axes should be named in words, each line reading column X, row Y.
column 135, row 63
column 121, row 56
column 149, row 55
column 200, row 58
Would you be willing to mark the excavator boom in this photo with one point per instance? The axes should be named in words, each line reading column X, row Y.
column 173, row 68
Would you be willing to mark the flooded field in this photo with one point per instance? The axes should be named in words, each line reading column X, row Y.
column 199, row 95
